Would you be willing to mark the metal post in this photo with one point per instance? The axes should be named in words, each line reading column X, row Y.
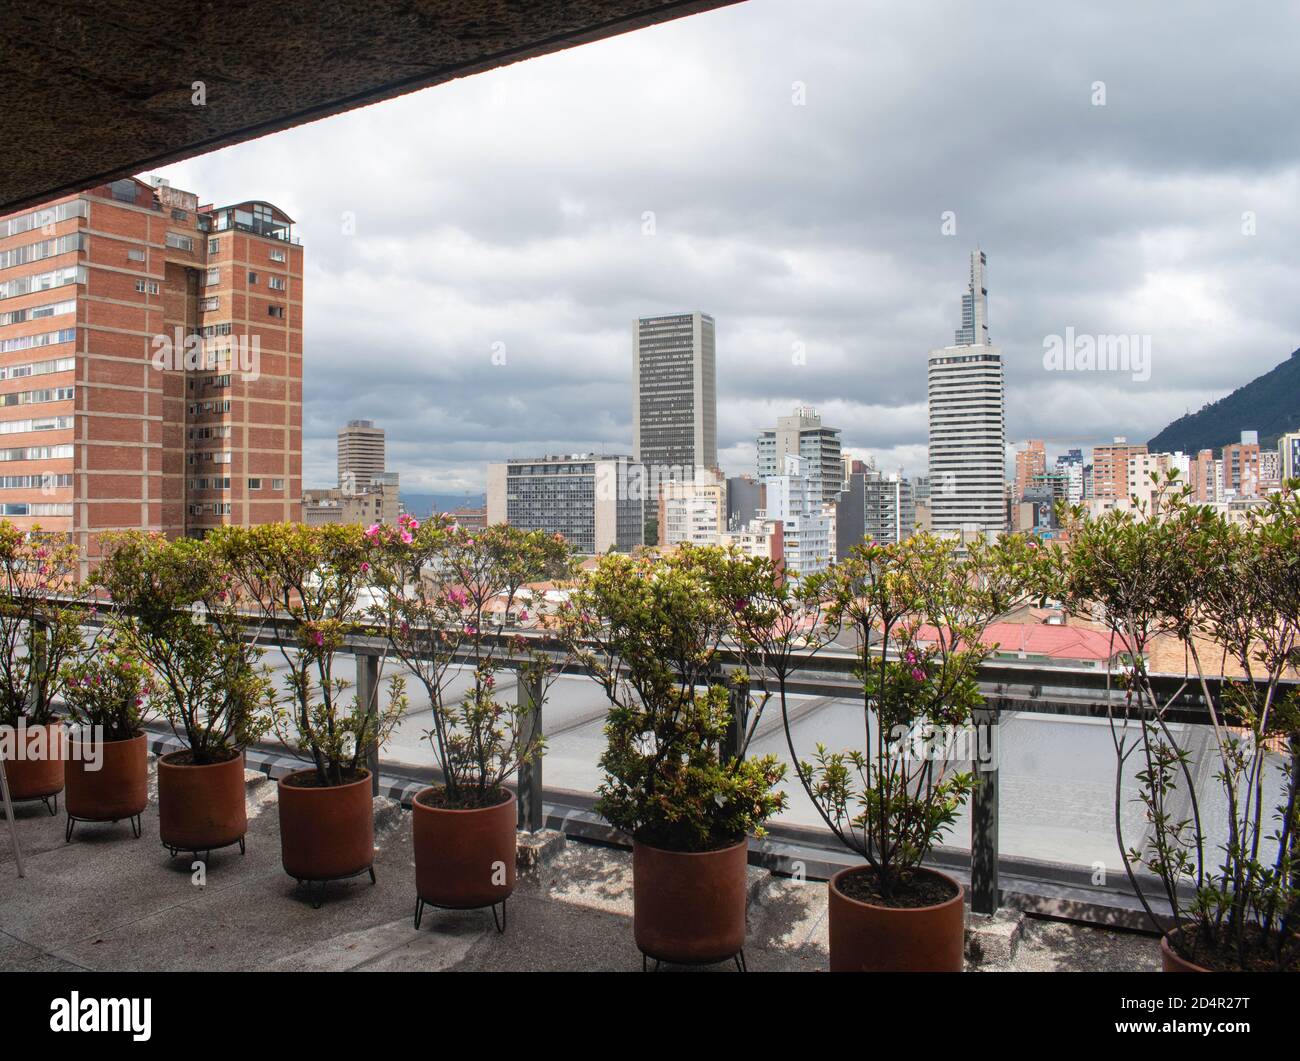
column 368, row 697
column 985, row 895
column 529, row 692
column 9, row 816
column 733, row 745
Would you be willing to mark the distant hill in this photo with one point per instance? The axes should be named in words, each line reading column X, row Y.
column 1269, row 404
column 423, row 504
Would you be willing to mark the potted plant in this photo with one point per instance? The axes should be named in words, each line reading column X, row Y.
column 649, row 630
column 178, row 610
column 106, row 694
column 446, row 596
column 919, row 610
column 1218, row 871
column 311, row 586
column 40, row 614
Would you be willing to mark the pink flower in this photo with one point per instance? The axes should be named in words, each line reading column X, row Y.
column 523, row 615
column 318, row 637
column 372, row 531
column 365, row 568
column 918, row 674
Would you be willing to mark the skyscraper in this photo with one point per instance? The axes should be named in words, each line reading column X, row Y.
column 968, row 423
column 803, row 435
column 361, row 454
column 150, row 363
column 674, row 400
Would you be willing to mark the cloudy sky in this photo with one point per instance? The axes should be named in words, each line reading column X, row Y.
column 1129, row 168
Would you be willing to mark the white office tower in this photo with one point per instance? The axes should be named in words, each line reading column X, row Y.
column 794, row 498
column 968, row 423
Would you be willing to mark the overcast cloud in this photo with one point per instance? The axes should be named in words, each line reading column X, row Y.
column 508, row 209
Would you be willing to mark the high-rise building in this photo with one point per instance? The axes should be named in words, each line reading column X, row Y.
column 674, row 400
column 1030, row 461
column 150, row 363
column 1241, row 465
column 890, row 508
column 594, row 501
column 1288, row 448
column 968, row 424
column 1110, row 468
column 746, row 497
column 793, row 498
column 803, row 435
column 1072, row 467
column 361, row 454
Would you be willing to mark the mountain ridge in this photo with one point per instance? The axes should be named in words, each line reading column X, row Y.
column 1269, row 404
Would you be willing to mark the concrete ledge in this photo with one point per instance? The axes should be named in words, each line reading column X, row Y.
column 534, row 850
column 993, row 938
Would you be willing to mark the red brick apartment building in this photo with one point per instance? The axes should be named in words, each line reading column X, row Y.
column 150, row 364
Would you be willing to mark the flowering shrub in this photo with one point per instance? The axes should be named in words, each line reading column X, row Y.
column 649, row 629
column 919, row 610
column 180, row 611
column 41, row 608
column 310, row 586
column 109, row 690
column 445, row 596
column 1229, row 596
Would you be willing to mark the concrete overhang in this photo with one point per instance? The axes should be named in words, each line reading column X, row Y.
column 102, row 89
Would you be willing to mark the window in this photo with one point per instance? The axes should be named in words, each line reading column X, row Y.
column 147, row 286
column 207, row 305
column 252, row 277
column 275, row 311
column 179, row 242
column 277, row 484
column 213, row 277
column 255, row 484
column 277, row 256
column 214, row 246
column 277, row 283
column 135, row 254
column 179, row 215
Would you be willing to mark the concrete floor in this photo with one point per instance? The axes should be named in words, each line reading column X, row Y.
column 108, row 901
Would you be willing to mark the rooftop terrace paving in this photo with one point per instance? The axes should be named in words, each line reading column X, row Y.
column 107, row 901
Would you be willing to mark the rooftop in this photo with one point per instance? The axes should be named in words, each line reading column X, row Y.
column 572, row 913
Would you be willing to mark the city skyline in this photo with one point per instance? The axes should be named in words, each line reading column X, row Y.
column 486, row 320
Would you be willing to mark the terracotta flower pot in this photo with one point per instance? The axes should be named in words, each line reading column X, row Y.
column 118, row 789
column 201, row 808
column 1171, row 962
column 464, row 859
column 865, row 937
column 326, row 833
column 38, row 774
column 689, row 906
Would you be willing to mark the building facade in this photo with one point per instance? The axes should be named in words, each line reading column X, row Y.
column 362, row 454
column 594, row 501
column 150, row 364
column 793, row 499
column 674, row 399
column 966, row 391
column 803, row 435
